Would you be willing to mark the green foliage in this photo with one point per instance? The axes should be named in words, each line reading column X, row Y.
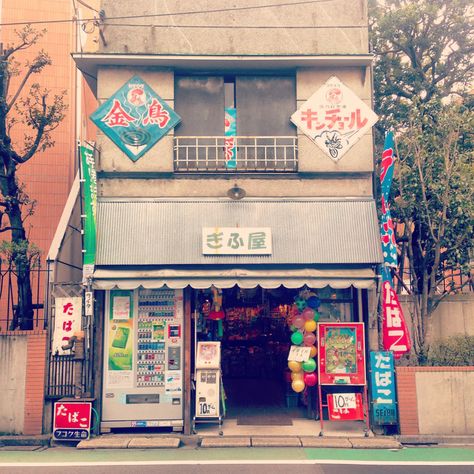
column 453, row 351
column 18, row 254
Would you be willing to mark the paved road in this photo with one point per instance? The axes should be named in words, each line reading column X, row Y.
column 245, row 460
column 280, row 468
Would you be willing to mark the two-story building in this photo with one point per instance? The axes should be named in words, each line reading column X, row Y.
column 214, row 231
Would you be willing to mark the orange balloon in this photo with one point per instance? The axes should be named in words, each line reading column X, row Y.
column 297, row 376
column 314, row 351
column 294, row 366
column 298, row 385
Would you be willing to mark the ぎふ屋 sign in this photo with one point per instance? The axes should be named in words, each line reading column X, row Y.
column 236, row 241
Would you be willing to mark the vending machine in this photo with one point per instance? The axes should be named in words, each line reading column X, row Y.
column 143, row 359
column 208, row 383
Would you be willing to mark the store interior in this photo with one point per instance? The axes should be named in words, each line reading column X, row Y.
column 253, row 327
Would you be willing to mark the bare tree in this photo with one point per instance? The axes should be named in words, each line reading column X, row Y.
column 26, row 105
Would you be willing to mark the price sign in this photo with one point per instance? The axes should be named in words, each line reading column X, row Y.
column 345, row 406
column 299, row 353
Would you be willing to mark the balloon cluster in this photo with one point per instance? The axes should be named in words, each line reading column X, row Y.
column 304, row 318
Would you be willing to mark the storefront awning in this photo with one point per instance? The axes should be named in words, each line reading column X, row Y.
column 127, row 279
column 315, row 242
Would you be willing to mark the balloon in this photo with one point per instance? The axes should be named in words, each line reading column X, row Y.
column 314, row 351
column 296, row 376
column 294, row 310
column 298, row 322
column 292, row 328
column 310, row 326
column 309, row 365
column 310, row 379
column 308, row 314
column 309, row 339
column 297, row 338
column 316, row 316
column 297, row 386
column 313, row 302
column 300, row 303
column 294, row 366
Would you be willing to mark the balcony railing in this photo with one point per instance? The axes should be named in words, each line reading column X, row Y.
column 244, row 154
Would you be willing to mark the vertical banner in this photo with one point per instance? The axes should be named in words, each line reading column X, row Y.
column 120, row 340
column 396, row 337
column 395, row 332
column 383, row 394
column 90, row 204
column 67, row 321
column 230, row 132
column 389, row 246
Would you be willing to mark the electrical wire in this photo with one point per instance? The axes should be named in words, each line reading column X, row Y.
column 174, row 14
column 238, row 27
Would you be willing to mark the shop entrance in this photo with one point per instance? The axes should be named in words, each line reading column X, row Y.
column 253, row 329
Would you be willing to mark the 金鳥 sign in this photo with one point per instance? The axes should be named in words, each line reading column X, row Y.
column 236, row 241
column 72, row 421
column 67, row 321
column 384, row 405
column 135, row 118
column 334, row 118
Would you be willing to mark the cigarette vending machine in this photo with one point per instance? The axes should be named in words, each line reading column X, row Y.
column 208, row 383
column 143, row 359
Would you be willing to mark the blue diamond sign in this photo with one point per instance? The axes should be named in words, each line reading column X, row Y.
column 135, row 118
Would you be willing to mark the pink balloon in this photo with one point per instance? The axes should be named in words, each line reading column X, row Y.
column 298, row 322
column 310, row 378
column 309, row 339
column 308, row 314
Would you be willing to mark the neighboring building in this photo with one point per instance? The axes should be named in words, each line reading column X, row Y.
column 165, row 218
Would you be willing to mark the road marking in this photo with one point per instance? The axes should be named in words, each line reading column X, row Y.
column 237, row 462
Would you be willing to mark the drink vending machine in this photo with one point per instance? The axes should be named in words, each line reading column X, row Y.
column 208, row 383
column 143, row 359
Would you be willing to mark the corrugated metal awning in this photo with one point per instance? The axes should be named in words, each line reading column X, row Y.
column 157, row 242
column 304, row 231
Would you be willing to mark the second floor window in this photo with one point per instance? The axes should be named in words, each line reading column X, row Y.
column 235, row 123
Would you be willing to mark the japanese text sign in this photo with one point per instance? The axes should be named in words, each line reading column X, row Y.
column 345, row 406
column 396, row 337
column 135, row 118
column 387, row 232
column 67, row 321
column 72, row 420
column 230, row 131
column 299, row 353
column 334, row 118
column 236, row 241
column 384, row 407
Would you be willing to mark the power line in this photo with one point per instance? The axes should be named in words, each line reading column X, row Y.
column 157, row 15
column 236, row 27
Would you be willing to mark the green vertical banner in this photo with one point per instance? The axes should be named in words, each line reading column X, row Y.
column 90, row 203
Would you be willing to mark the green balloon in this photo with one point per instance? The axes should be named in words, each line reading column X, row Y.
column 297, row 338
column 309, row 365
column 316, row 316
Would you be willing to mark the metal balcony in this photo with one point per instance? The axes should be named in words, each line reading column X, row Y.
column 244, row 154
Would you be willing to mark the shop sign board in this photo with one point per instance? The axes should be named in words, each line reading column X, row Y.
column 334, row 118
column 383, row 394
column 341, row 354
column 345, row 406
column 67, row 321
column 135, row 118
column 236, row 241
column 72, row 421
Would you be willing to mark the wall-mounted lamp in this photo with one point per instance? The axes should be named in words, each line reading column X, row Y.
column 236, row 193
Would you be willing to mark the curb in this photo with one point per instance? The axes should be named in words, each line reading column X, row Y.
column 25, row 440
